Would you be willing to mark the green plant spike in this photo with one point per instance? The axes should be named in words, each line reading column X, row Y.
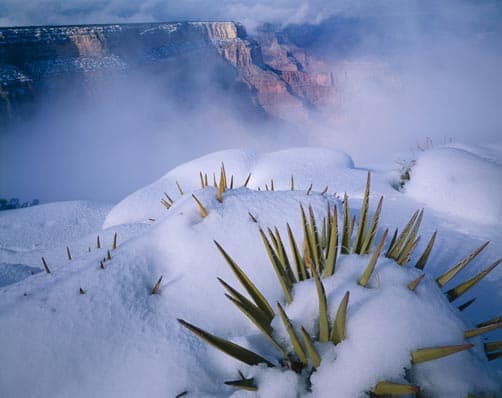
column 332, row 245
column 365, row 277
column 257, row 312
column 425, row 255
column 201, row 177
column 468, row 334
column 323, row 308
column 285, row 283
column 494, row 355
column 68, row 254
column 387, row 388
column 253, row 218
column 299, row 263
column 395, row 249
column 98, row 243
column 202, row 209
column 312, row 352
column 457, row 291
column 114, row 244
column 450, row 274
column 181, row 394
column 309, row 247
column 316, row 239
column 392, row 243
column 346, row 229
column 292, row 183
column 429, row 354
column 329, row 222
column 363, row 218
column 156, row 288
column 46, row 267
column 246, row 182
column 324, row 234
column 415, row 282
column 293, row 337
column 243, row 384
column 234, row 350
column 405, row 255
column 179, row 188
column 261, row 324
column 464, row 306
column 370, row 236
column 493, row 346
column 284, row 257
column 248, row 285
column 338, row 329
column 497, row 319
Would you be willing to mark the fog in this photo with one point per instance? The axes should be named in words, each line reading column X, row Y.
column 404, row 71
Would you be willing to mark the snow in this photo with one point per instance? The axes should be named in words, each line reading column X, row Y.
column 118, row 340
column 461, row 182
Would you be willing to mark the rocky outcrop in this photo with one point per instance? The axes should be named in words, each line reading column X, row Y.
column 280, row 78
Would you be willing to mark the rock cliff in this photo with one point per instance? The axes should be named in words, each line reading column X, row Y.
column 279, row 78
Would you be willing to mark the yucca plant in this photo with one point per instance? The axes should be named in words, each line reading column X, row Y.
column 316, row 258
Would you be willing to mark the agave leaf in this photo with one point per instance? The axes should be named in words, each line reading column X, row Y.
column 415, row 282
column 346, row 230
column 166, row 204
column 429, row 354
column 309, row 189
column 332, row 245
column 279, row 270
column 392, row 243
column 247, row 180
column 312, row 352
column 457, row 291
column 284, row 257
column 363, row 218
column 339, row 328
column 484, row 329
column 169, row 199
column 201, row 177
column 232, row 182
column 156, row 288
column 395, row 249
column 98, row 242
column 292, row 183
column 370, row 236
column 300, row 266
column 324, row 234
column 295, row 341
column 365, row 277
column 202, row 209
column 252, row 308
column 493, row 346
column 405, row 255
column 272, row 185
column 262, row 325
column 462, row 307
column 325, row 190
column 497, row 319
column 179, row 188
column 323, row 308
column 314, row 232
column 388, row 388
column 114, row 244
column 68, row 254
column 221, row 186
column 450, row 274
column 243, row 384
column 253, row 218
column 250, row 287
column 234, row 350
column 224, row 176
column 309, row 248
column 425, row 255
column 46, row 267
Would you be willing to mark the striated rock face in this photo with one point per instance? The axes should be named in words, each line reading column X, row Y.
column 280, row 78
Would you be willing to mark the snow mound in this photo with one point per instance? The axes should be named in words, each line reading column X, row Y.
column 308, row 165
column 460, row 182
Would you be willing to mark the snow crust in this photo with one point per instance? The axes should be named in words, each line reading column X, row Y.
column 118, row 340
column 461, row 181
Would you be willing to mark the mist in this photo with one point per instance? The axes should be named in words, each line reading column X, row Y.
column 405, row 72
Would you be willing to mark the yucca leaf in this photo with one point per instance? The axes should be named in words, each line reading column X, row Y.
column 388, row 388
column 314, row 232
column 114, row 244
column 450, row 274
column 314, row 356
column 253, row 218
column 272, row 188
column 429, row 354
column 262, row 325
column 279, row 270
column 300, row 266
column 108, row 255
column 284, row 257
column 201, row 180
column 339, row 326
column 325, row 190
column 346, row 229
column 292, row 183
column 181, row 394
column 248, row 285
column 101, row 265
column 363, row 218
column 462, row 307
column 247, row 180
column 68, row 254
column 484, row 329
column 169, row 199
column 365, row 277
column 221, row 186
column 81, row 291
column 415, row 282
column 309, row 189
column 395, row 249
column 497, row 319
column 46, row 267
column 295, row 341
column 392, row 243
column 323, row 308
column 405, row 255
column 179, row 188
column 370, row 236
column 234, row 350
column 309, row 249
column 457, row 291
column 493, row 346
column 324, row 234
column 332, row 245
column 256, row 311
column 202, row 209
column 243, row 384
column 232, row 182
column 156, row 288
column 425, row 255
column 98, row 242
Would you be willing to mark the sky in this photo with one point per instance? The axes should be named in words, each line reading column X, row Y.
column 418, row 69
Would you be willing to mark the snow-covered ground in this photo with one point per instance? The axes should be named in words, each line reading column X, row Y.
column 118, row 340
